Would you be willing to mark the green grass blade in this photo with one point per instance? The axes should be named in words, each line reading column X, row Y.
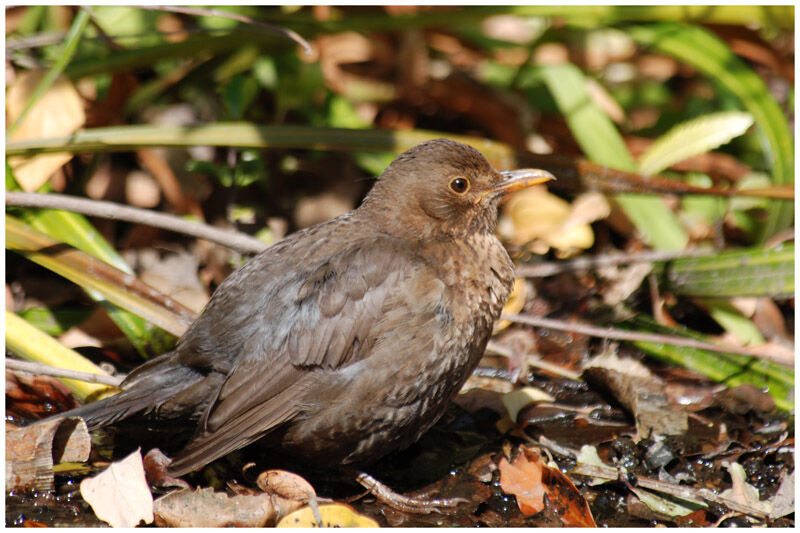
column 693, row 137
column 731, row 369
column 75, row 229
column 702, row 50
column 102, row 281
column 32, row 344
column 602, row 144
column 70, row 45
column 757, row 272
column 249, row 135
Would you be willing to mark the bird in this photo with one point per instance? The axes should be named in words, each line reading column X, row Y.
column 348, row 339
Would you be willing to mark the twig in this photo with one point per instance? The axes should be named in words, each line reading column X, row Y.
column 498, row 348
column 47, row 370
column 233, row 16
column 679, row 491
column 542, row 270
column 240, row 242
column 633, row 336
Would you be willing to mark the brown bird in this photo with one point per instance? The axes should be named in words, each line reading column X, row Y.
column 347, row 339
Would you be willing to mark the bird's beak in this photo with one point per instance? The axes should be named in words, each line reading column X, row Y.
column 518, row 179
column 521, row 179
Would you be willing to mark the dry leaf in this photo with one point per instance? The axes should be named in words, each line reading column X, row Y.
column 59, row 112
column 540, row 220
column 206, row 508
column 523, row 479
column 514, row 304
column 743, row 492
column 517, row 400
column 119, row 494
column 286, row 485
column 529, row 479
column 333, row 515
column 641, row 392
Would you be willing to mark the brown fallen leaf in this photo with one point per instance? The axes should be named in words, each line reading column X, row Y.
column 206, row 508
column 529, row 479
column 119, row 494
column 640, row 391
column 36, row 396
column 285, row 485
column 31, row 452
column 57, row 113
column 523, row 479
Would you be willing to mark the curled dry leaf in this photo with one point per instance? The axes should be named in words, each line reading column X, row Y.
column 529, row 479
column 58, row 112
column 743, row 492
column 523, row 479
column 286, row 485
column 284, row 493
column 31, row 452
column 640, row 391
column 516, row 400
column 119, row 494
column 514, row 304
column 540, row 220
column 205, row 508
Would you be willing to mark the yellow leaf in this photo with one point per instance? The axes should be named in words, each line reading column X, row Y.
column 58, row 112
column 540, row 220
column 514, row 304
column 333, row 515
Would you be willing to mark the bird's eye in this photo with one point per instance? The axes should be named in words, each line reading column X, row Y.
column 459, row 185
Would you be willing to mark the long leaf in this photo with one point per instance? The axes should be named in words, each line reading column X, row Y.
column 75, row 229
column 702, row 50
column 70, row 45
column 756, row 272
column 602, row 144
column 249, row 135
column 34, row 345
column 94, row 275
column 693, row 137
column 731, row 369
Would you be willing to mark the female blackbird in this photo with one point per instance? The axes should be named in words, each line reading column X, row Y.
column 347, row 339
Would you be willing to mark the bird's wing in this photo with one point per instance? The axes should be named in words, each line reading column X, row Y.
column 325, row 319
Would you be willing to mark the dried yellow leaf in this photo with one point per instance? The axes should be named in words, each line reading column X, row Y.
column 58, row 112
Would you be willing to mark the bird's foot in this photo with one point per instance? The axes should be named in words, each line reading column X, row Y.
column 406, row 504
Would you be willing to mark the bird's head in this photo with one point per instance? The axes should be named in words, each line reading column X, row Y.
column 442, row 189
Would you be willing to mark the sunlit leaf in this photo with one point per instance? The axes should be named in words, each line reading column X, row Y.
column 693, row 137
column 34, row 345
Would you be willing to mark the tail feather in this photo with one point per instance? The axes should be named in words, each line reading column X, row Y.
column 143, row 392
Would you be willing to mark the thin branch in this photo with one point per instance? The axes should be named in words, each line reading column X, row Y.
column 233, row 16
column 542, row 270
column 240, row 242
column 499, row 349
column 632, row 336
column 47, row 370
column 683, row 492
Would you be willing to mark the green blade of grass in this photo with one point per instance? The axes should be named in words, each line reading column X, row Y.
column 249, row 135
column 75, row 229
column 731, row 369
column 693, row 137
column 97, row 277
column 70, row 45
column 756, row 272
column 34, row 345
column 702, row 50
column 602, row 144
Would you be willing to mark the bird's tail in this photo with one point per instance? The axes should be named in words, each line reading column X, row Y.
column 146, row 389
